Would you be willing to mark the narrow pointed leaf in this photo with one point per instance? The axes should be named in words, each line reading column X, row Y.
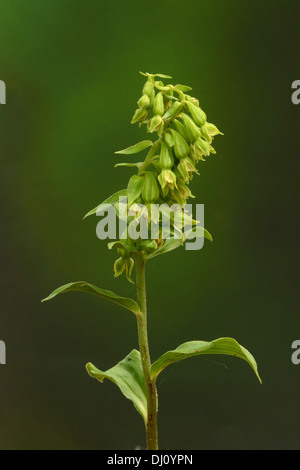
column 130, row 165
column 169, row 245
column 160, row 75
column 110, row 200
column 128, row 376
column 82, row 286
column 183, row 87
column 227, row 346
column 198, row 232
column 136, row 148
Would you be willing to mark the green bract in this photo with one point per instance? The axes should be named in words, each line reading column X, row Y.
column 160, row 181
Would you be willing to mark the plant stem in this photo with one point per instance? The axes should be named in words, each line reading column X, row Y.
column 151, row 393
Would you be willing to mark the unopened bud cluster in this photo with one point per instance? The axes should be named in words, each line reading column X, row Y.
column 185, row 138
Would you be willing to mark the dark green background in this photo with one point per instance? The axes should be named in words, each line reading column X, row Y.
column 71, row 71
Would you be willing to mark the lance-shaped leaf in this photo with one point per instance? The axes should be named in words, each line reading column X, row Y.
column 169, row 245
column 198, row 232
column 228, row 346
column 160, row 75
column 110, row 200
column 183, row 87
column 136, row 148
column 128, row 376
column 82, row 286
column 130, row 165
column 146, row 74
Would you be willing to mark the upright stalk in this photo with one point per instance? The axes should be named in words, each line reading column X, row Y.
column 151, row 393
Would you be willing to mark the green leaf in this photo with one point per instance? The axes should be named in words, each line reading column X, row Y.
column 169, row 245
column 134, row 188
column 137, row 147
column 198, row 232
column 110, row 200
column 128, row 376
column 228, row 346
column 183, row 87
column 160, row 75
column 82, row 286
column 130, row 165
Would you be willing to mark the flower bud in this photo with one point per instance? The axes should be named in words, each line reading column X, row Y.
column 180, row 146
column 177, row 198
column 166, row 159
column 150, row 191
column 155, row 163
column 206, row 134
column 169, row 139
column 144, row 101
column 173, row 110
column 119, row 266
column 192, row 131
column 159, row 107
column 148, row 87
column 212, row 129
column 129, row 266
column 139, row 116
column 196, row 152
column 154, row 124
column 186, row 168
column 192, row 100
column 167, row 178
column 203, row 146
column 197, row 114
column 150, row 246
column 180, row 128
column 122, row 252
column 184, row 191
column 152, row 98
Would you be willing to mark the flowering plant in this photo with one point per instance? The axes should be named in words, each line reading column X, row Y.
column 184, row 140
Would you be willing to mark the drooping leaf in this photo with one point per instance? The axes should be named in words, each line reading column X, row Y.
column 128, row 376
column 227, row 346
column 134, row 188
column 81, row 286
column 183, row 88
column 169, row 245
column 136, row 148
column 110, row 200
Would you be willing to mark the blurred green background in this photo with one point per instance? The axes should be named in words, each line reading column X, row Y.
column 71, row 71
